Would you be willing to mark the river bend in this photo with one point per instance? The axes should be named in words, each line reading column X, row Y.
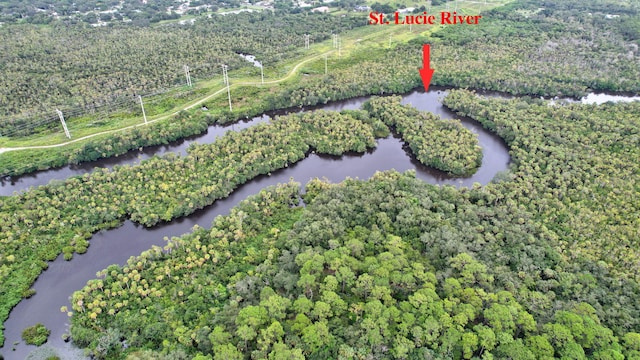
column 115, row 246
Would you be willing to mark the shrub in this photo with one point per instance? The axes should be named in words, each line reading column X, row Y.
column 36, row 334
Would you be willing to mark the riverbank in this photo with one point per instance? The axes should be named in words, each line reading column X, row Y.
column 388, row 154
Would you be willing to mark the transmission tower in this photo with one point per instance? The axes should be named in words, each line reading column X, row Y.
column 187, row 74
column 64, row 124
column 306, row 41
column 144, row 115
column 335, row 41
column 226, row 81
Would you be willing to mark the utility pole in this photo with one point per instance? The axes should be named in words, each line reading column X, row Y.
column 335, row 41
column 306, row 41
column 144, row 115
column 187, row 74
column 262, row 73
column 226, row 81
column 64, row 124
column 224, row 75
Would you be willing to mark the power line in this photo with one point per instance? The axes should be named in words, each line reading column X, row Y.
column 64, row 124
column 226, row 81
column 262, row 73
column 144, row 115
column 187, row 74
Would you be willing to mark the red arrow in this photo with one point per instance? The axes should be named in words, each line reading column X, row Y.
column 426, row 72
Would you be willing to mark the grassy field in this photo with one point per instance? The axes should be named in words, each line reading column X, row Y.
column 165, row 105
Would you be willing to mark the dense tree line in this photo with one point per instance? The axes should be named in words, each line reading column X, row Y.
column 442, row 144
column 582, row 155
column 514, row 40
column 555, row 234
column 542, row 54
column 159, row 133
column 576, row 172
column 92, row 11
column 389, row 268
column 74, row 67
column 538, row 265
column 559, row 48
column 35, row 227
column 516, row 50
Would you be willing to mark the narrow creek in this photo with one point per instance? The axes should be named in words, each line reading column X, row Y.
column 115, row 246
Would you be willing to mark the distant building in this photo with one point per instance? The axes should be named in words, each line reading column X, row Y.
column 363, row 8
column 321, row 9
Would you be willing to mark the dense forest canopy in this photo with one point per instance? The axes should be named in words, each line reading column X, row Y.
column 576, row 169
column 106, row 11
column 535, row 265
column 542, row 263
column 441, row 144
column 523, row 48
column 518, row 49
column 35, row 227
column 390, row 268
column 553, row 48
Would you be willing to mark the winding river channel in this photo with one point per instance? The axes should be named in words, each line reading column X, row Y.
column 115, row 246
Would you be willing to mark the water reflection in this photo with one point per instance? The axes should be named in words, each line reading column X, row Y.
column 115, row 246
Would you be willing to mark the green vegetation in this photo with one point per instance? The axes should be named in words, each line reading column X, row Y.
column 86, row 70
column 93, row 11
column 576, row 170
column 248, row 102
column 540, row 264
column 36, row 334
column 563, row 48
column 386, row 268
column 114, row 144
column 35, row 227
column 442, row 144
column 395, row 268
column 522, row 49
column 542, row 54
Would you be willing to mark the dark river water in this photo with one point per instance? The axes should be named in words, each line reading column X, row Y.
column 55, row 285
